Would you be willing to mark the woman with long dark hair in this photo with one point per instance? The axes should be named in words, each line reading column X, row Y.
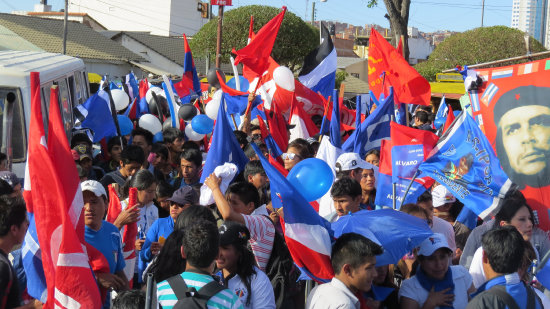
column 238, row 270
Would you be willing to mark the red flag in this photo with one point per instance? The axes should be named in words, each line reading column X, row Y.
column 130, row 231
column 55, row 197
column 450, row 119
column 263, row 127
column 230, row 91
column 256, row 54
column 143, row 87
column 312, row 102
column 277, row 127
column 304, row 126
column 400, row 48
column 409, row 86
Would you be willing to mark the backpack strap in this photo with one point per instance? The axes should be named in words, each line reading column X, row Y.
column 500, row 292
column 210, row 289
column 532, row 297
column 177, row 284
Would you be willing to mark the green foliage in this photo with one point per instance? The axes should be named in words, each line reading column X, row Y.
column 294, row 41
column 340, row 77
column 477, row 46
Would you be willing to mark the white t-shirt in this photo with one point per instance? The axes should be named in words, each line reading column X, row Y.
column 476, row 268
column 262, row 291
column 443, row 227
column 412, row 289
column 332, row 295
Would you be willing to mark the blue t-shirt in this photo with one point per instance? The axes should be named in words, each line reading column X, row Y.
column 108, row 241
column 162, row 227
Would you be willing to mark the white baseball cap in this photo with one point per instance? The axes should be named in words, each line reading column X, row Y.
column 350, row 160
column 442, row 196
column 432, row 244
column 93, row 186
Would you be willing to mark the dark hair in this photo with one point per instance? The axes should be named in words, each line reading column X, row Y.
column 193, row 213
column 171, row 134
column 190, row 145
column 131, row 299
column 413, row 209
column 169, row 261
column 148, row 136
column 303, row 147
column 142, row 180
column 192, row 155
column 375, row 152
column 160, row 150
column 242, row 138
column 164, row 189
column 116, row 141
column 245, row 267
column 6, row 188
column 340, row 173
column 504, row 248
column 132, row 153
column 3, row 156
column 510, row 206
column 254, row 127
column 245, row 191
column 249, row 152
column 352, row 249
column 346, row 186
column 12, row 212
column 424, row 197
column 252, row 168
column 422, row 116
column 201, row 242
column 79, row 138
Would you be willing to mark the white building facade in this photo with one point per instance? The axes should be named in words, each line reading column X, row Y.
column 532, row 17
column 160, row 17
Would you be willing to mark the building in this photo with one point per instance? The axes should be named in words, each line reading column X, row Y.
column 532, row 17
column 161, row 17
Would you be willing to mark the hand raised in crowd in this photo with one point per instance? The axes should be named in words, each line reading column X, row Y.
column 110, row 281
column 213, row 182
column 440, row 298
column 156, row 247
column 127, row 216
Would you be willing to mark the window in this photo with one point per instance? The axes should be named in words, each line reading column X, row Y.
column 65, row 105
column 14, row 144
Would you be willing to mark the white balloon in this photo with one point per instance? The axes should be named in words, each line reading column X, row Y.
column 158, row 91
column 120, row 98
column 284, row 78
column 192, row 135
column 150, row 123
column 212, row 107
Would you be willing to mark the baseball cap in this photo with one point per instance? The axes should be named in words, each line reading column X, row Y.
column 350, row 160
column 233, row 233
column 442, row 196
column 433, row 243
column 93, row 186
column 83, row 151
column 185, row 195
column 10, row 178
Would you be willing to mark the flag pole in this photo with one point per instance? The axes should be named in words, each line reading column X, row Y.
column 113, row 109
column 408, row 188
column 394, row 200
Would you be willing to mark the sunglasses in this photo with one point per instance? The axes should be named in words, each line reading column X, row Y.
column 256, row 136
column 290, row 156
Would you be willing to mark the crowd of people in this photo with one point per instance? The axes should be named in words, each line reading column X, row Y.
column 232, row 253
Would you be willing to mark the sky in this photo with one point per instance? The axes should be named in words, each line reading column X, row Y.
column 426, row 15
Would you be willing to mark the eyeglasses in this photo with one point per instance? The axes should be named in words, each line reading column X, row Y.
column 290, row 156
column 256, row 136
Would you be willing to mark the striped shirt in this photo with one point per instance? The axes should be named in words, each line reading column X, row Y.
column 262, row 235
column 222, row 300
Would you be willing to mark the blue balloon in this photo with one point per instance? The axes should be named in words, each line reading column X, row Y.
column 125, row 124
column 244, row 83
column 312, row 177
column 202, row 124
column 158, row 137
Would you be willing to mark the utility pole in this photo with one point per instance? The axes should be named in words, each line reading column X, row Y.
column 313, row 13
column 482, row 11
column 219, row 37
column 65, row 25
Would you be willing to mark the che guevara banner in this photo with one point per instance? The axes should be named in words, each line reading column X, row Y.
column 512, row 108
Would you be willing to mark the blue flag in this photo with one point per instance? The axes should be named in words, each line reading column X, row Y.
column 441, row 115
column 32, row 263
column 133, row 85
column 401, row 114
column 224, row 148
column 543, row 272
column 465, row 163
column 467, row 217
column 374, row 129
column 335, row 135
column 95, row 115
column 384, row 191
column 357, row 123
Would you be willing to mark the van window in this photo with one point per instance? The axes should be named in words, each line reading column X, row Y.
column 65, row 105
column 18, row 137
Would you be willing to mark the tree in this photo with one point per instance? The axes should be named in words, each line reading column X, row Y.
column 478, row 46
column 294, row 41
column 398, row 16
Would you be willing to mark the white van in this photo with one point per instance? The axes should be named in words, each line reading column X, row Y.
column 67, row 72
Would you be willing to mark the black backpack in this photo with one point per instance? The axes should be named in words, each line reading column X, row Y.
column 190, row 297
column 282, row 273
column 500, row 292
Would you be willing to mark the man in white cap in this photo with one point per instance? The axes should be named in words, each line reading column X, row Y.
column 351, row 165
column 103, row 236
column 441, row 199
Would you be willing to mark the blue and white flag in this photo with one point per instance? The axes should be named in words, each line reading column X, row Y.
column 465, row 163
column 335, row 135
column 319, row 70
column 384, row 191
column 224, row 147
column 441, row 115
column 95, row 114
column 32, row 263
column 172, row 105
column 374, row 129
